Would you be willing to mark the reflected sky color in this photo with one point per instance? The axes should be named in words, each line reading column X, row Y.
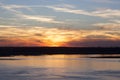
column 59, row 67
column 74, row 23
column 63, row 61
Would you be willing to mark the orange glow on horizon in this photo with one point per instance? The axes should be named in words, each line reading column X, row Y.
column 40, row 36
column 55, row 40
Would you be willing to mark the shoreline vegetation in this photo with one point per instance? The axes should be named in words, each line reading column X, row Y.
column 14, row 51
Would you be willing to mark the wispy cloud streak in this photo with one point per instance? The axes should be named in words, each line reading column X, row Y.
column 40, row 18
column 112, row 25
column 104, row 13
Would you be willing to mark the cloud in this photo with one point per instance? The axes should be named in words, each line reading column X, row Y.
column 104, row 13
column 107, row 13
column 108, row 33
column 94, row 43
column 32, row 36
column 16, row 7
column 38, row 34
column 21, row 15
column 13, row 7
column 114, row 25
column 3, row 40
column 64, row 5
column 41, row 36
column 68, row 10
column 104, row 1
column 41, row 19
column 6, row 26
column 9, row 8
column 97, row 37
column 115, row 21
column 114, row 33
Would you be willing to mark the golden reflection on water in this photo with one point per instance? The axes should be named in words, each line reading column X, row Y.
column 72, row 62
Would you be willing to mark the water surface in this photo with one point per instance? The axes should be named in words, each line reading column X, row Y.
column 60, row 67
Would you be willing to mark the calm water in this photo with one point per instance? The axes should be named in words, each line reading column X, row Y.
column 59, row 67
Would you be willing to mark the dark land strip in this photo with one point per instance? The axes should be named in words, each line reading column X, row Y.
column 12, row 51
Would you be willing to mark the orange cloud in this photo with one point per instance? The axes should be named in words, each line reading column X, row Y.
column 41, row 36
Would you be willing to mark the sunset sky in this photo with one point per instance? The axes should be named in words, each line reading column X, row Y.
column 71, row 23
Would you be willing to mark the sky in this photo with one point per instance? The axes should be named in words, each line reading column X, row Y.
column 69, row 23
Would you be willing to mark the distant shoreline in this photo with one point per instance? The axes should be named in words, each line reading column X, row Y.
column 9, row 51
